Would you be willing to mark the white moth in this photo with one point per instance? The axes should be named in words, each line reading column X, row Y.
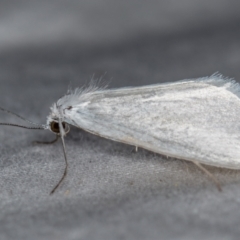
column 196, row 120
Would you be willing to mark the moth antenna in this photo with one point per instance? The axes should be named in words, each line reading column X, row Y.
column 21, row 126
column 26, row 120
column 62, row 133
column 218, row 185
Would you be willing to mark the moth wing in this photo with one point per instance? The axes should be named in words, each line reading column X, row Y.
column 196, row 120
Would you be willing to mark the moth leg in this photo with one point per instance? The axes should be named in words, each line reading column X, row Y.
column 51, row 142
column 135, row 150
column 218, row 185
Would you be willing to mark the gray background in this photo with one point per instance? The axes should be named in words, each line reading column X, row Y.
column 110, row 192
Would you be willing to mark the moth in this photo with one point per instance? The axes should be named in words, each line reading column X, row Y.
column 195, row 120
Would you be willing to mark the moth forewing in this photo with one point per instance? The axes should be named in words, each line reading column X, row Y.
column 195, row 120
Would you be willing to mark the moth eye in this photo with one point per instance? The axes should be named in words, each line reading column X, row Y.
column 55, row 127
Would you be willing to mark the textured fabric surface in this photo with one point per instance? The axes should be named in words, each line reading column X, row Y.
column 110, row 191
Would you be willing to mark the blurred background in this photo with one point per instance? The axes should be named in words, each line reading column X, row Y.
column 47, row 45
column 101, row 22
column 127, row 42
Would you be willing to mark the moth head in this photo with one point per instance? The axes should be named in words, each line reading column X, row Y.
column 54, row 127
